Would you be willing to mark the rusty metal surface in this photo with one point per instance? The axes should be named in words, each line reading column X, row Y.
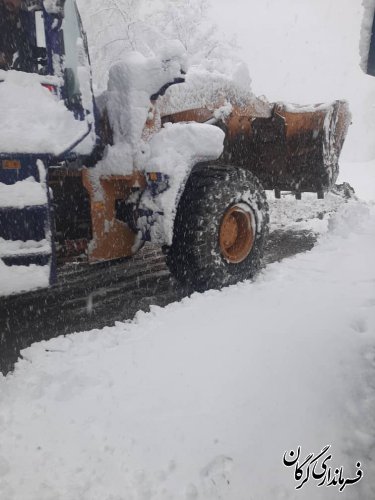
column 301, row 122
column 292, row 150
column 199, row 115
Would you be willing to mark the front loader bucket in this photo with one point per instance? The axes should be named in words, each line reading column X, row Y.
column 314, row 139
column 296, row 149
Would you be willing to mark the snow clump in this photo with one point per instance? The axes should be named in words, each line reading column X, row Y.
column 32, row 119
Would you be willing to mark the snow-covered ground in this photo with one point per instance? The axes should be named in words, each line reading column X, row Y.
column 202, row 399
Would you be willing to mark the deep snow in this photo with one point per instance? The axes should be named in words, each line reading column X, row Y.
column 201, row 399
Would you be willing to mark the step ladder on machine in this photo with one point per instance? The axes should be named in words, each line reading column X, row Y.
column 26, row 255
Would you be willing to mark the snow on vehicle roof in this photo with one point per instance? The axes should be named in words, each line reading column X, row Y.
column 32, row 119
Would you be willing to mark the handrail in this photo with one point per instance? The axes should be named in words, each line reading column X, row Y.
column 70, row 148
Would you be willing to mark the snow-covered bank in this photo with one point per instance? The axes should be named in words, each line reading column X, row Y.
column 201, row 399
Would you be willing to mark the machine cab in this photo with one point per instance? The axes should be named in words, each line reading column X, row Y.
column 46, row 121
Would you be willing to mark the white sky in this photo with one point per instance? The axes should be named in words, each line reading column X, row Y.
column 295, row 46
column 305, row 51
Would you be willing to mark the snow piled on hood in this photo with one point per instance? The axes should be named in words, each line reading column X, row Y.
column 366, row 31
column 32, row 119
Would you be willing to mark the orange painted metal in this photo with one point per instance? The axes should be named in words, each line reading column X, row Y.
column 236, row 234
column 298, row 123
column 112, row 238
column 11, row 164
column 199, row 115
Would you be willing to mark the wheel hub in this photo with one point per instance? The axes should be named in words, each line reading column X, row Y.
column 236, row 235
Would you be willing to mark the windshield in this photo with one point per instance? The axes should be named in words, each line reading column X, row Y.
column 72, row 44
column 21, row 48
column 77, row 73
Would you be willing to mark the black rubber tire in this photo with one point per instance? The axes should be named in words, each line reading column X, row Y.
column 194, row 256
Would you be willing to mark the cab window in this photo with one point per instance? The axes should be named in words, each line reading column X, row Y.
column 22, row 40
column 72, row 42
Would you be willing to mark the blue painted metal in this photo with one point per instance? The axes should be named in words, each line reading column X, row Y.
column 38, row 259
column 159, row 185
column 28, row 169
column 29, row 223
column 24, row 224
